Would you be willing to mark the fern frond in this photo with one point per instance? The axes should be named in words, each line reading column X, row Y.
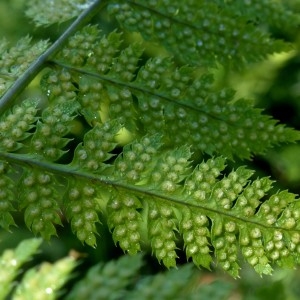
column 39, row 198
column 274, row 14
column 109, row 281
column 153, row 195
column 55, row 11
column 38, row 194
column 81, row 210
column 42, row 283
column 118, row 280
column 203, row 35
column 15, row 124
column 12, row 260
column 48, row 139
column 169, row 99
column 92, row 154
column 124, row 220
column 15, row 60
column 232, row 205
column 45, row 282
column 7, row 197
column 179, row 284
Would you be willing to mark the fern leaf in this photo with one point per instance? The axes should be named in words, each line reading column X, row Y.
column 204, row 36
column 56, row 83
column 134, row 164
column 15, row 60
column 81, row 210
column 80, row 203
column 15, row 124
column 265, row 13
column 38, row 196
column 109, row 281
column 45, row 283
column 38, row 189
column 124, row 221
column 118, row 279
column 11, row 262
column 169, row 285
column 48, row 139
column 169, row 99
column 7, row 197
column 178, row 284
column 232, row 204
column 155, row 194
column 162, row 241
column 55, row 11
column 112, row 280
column 151, row 193
column 95, row 150
column 193, row 227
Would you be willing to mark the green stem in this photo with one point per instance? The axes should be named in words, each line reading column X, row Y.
column 21, row 83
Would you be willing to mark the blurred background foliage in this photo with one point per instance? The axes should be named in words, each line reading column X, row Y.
column 273, row 85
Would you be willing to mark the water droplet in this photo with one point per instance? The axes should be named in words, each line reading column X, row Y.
column 199, row 43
